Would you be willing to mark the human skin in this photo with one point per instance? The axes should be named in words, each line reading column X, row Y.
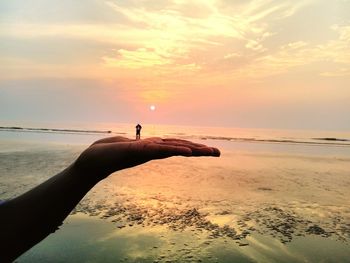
column 32, row 216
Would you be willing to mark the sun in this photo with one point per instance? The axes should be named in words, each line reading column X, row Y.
column 152, row 108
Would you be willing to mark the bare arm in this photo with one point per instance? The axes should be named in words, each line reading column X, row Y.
column 29, row 218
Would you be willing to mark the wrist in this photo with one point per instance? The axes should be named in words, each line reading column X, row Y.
column 83, row 174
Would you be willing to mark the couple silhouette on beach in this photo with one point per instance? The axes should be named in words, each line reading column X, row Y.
column 32, row 216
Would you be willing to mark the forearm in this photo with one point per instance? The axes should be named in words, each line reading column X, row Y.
column 29, row 218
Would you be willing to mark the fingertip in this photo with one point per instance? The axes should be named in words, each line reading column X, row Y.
column 186, row 152
column 216, row 152
column 202, row 151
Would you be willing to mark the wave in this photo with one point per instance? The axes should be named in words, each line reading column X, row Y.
column 51, row 130
column 330, row 141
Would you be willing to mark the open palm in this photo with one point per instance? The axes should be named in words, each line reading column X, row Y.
column 115, row 153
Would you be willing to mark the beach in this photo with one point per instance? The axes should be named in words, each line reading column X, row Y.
column 265, row 82
column 261, row 201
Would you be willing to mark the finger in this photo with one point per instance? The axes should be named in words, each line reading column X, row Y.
column 216, row 152
column 196, row 151
column 112, row 139
column 202, row 151
column 159, row 151
column 183, row 141
column 153, row 139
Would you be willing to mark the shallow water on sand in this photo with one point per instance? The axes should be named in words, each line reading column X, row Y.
column 89, row 239
column 256, row 203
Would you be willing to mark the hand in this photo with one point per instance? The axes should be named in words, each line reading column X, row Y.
column 38, row 212
column 115, row 153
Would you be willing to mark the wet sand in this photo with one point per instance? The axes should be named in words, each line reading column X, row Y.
column 247, row 206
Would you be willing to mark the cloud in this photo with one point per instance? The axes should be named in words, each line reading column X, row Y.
column 300, row 53
column 154, row 33
column 224, row 39
column 138, row 58
column 337, row 73
column 58, row 12
column 183, row 55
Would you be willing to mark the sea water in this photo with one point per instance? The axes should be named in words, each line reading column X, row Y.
column 272, row 196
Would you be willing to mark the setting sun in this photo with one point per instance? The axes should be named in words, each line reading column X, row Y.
column 152, row 108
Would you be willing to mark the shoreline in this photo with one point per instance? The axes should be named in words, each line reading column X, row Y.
column 322, row 141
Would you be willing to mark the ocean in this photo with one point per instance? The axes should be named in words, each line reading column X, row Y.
column 272, row 196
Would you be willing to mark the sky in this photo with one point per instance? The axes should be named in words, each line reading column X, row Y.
column 236, row 63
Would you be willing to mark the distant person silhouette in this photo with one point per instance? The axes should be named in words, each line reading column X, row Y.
column 138, row 131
